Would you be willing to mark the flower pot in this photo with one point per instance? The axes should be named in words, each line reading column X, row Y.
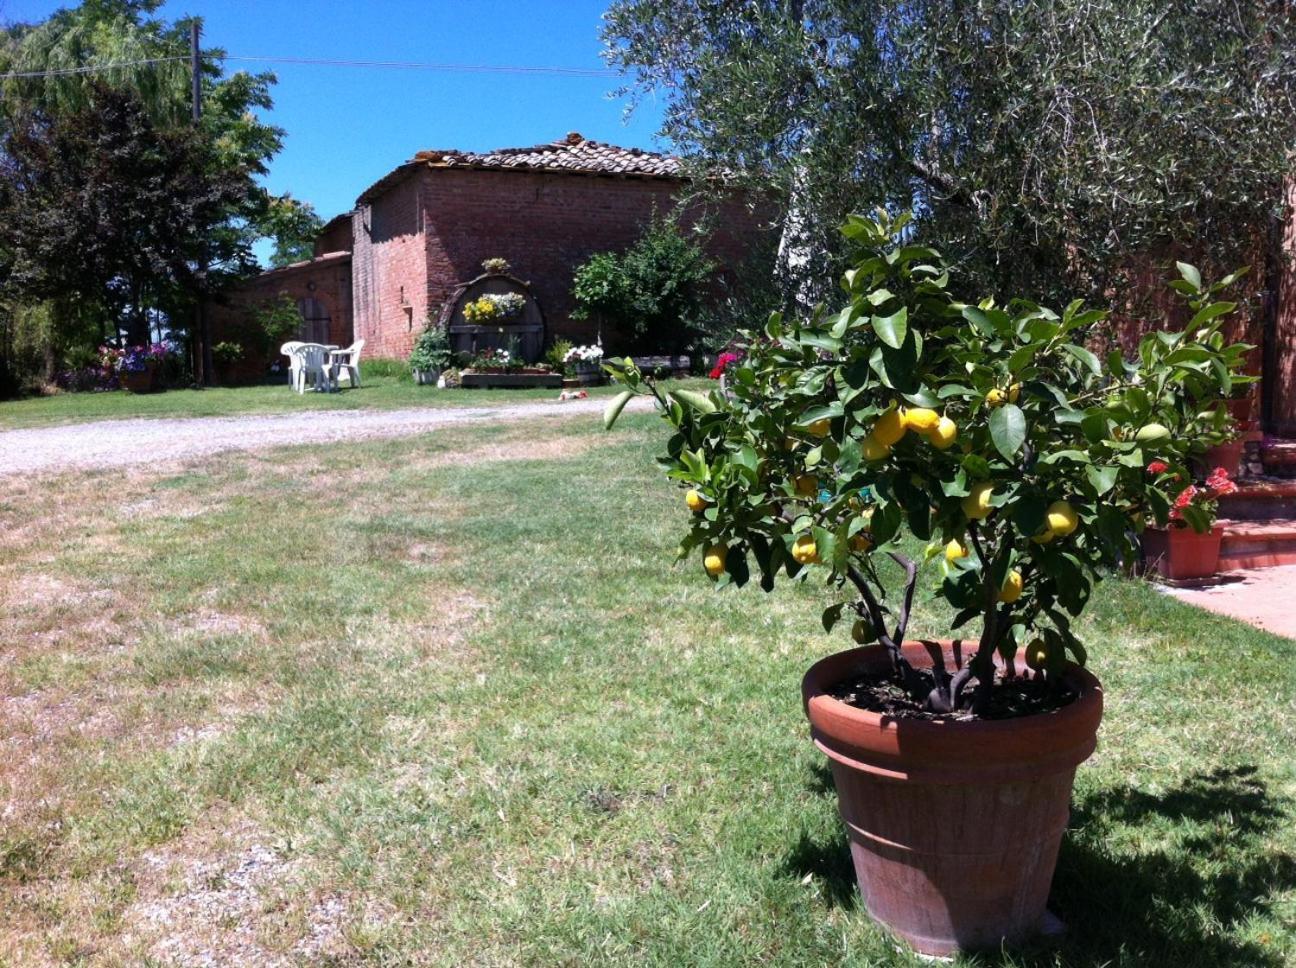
column 588, row 374
column 425, row 378
column 954, row 827
column 1227, row 456
column 1180, row 553
column 139, row 381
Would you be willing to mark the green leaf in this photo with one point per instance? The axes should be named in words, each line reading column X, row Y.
column 1103, row 479
column 1190, row 274
column 697, row 401
column 1207, row 313
column 892, row 329
column 1087, row 358
column 1008, row 430
column 831, row 616
column 613, row 409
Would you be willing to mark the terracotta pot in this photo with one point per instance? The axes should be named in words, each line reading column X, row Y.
column 141, row 381
column 1227, row 456
column 954, row 827
column 1179, row 553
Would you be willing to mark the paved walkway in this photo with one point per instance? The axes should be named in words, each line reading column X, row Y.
column 1264, row 597
column 116, row 443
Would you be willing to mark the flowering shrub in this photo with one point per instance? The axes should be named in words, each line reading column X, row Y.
column 133, row 359
column 86, row 379
column 496, row 266
column 583, row 354
column 1195, row 506
column 723, row 362
column 495, row 359
column 986, row 429
column 493, row 307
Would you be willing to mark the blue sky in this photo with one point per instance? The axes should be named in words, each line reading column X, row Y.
column 347, row 126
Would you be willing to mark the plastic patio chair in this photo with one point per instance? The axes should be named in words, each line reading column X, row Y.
column 289, row 350
column 311, row 367
column 347, row 362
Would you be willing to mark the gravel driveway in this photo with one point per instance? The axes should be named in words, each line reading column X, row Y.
column 116, row 443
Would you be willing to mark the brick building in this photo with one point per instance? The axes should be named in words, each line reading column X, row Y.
column 418, row 236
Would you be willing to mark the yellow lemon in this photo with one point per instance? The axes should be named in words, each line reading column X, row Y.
column 921, row 420
column 954, row 551
column 714, row 560
column 995, row 398
column 890, row 427
column 1044, row 537
column 1014, row 392
column 1062, row 519
column 861, row 543
column 819, row 428
column 943, row 434
column 1012, row 588
column 804, row 550
column 862, row 631
column 695, row 501
column 807, row 485
column 977, row 504
column 1036, row 654
column 873, row 449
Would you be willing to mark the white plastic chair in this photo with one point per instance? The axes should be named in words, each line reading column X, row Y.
column 347, row 362
column 289, row 350
column 312, row 367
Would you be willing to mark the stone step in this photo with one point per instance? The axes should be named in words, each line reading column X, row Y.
column 1257, row 544
column 1261, row 499
column 1279, row 457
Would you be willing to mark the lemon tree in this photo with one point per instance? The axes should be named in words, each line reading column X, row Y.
column 987, row 429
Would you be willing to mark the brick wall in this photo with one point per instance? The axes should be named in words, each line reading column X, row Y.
column 390, row 274
column 545, row 225
column 233, row 318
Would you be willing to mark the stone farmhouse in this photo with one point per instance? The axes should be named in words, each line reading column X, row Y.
column 411, row 252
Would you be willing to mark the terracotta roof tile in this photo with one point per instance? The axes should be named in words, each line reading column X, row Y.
column 574, row 154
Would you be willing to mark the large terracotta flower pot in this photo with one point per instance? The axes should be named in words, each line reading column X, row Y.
column 1180, row 553
column 954, row 827
column 139, row 381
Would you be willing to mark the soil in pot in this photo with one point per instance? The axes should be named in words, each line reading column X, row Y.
column 954, row 826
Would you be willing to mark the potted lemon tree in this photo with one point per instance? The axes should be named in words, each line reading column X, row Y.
column 911, row 436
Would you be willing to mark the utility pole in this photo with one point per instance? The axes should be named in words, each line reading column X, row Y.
column 203, row 358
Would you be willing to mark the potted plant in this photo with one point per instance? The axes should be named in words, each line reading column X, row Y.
column 431, row 355
column 585, row 363
column 1189, row 546
column 136, row 366
column 494, row 307
column 989, row 435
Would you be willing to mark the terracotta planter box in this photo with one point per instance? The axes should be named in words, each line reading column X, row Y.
column 511, row 380
column 1182, row 553
column 143, row 381
column 954, row 827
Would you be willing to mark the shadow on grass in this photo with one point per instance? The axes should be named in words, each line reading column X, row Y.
column 1201, row 870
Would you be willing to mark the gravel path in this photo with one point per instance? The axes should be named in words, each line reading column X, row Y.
column 116, row 443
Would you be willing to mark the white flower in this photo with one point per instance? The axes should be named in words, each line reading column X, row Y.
column 584, row 354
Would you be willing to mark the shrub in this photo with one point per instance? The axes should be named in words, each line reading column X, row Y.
column 986, row 429
column 431, row 352
column 227, row 352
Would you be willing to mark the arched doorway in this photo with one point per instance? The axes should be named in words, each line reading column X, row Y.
column 315, row 323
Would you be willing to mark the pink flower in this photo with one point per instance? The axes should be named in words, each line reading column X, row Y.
column 1186, row 497
column 1158, row 467
column 723, row 362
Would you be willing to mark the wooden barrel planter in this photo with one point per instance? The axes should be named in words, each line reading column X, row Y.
column 523, row 334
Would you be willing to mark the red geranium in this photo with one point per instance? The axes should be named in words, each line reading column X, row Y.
column 1158, row 467
column 723, row 362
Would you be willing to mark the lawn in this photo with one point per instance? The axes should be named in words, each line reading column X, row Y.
column 378, row 392
column 449, row 703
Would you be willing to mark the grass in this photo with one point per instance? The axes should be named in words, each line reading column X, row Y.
column 379, row 391
column 451, row 704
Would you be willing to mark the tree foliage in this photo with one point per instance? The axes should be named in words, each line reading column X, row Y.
column 293, row 225
column 653, row 295
column 1043, row 146
column 104, row 213
column 986, row 429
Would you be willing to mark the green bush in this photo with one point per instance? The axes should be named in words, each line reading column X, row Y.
column 431, row 351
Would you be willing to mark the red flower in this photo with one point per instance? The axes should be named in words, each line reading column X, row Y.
column 723, row 362
column 1158, row 467
column 1185, row 497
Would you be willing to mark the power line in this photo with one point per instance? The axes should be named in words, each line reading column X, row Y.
column 325, row 62
column 93, row 68
column 416, row 65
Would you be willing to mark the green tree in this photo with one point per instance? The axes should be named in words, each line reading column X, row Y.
column 1045, row 147
column 653, row 295
column 294, row 226
column 109, row 217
